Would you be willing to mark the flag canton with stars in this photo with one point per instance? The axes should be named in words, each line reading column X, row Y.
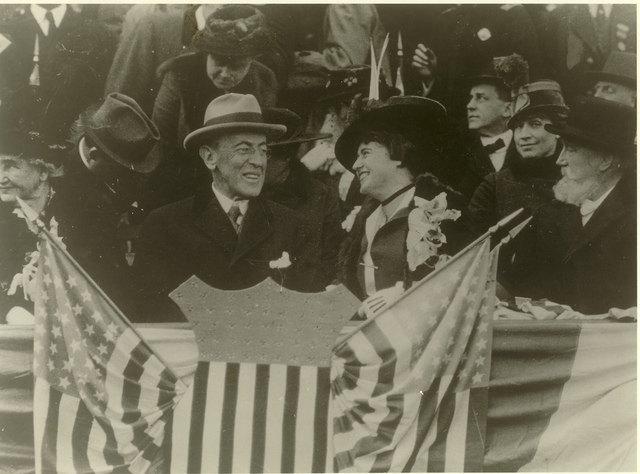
column 73, row 339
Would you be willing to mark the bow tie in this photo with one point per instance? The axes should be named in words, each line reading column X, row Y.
column 493, row 147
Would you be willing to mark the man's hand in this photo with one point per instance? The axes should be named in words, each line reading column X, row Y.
column 320, row 157
column 424, row 62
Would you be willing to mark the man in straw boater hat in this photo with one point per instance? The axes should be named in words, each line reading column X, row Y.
column 398, row 152
column 617, row 80
column 580, row 249
column 227, row 234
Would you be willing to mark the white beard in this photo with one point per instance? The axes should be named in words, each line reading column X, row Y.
column 575, row 191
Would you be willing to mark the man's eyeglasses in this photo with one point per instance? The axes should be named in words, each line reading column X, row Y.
column 247, row 151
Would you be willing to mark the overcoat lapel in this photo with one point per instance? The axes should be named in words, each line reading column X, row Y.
column 609, row 211
column 256, row 228
column 213, row 221
column 582, row 26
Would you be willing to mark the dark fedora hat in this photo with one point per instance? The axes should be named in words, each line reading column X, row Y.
column 423, row 121
column 295, row 133
column 504, row 72
column 234, row 31
column 121, row 129
column 232, row 113
column 620, row 68
column 599, row 123
column 538, row 96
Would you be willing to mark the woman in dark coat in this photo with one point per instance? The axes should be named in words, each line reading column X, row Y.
column 396, row 152
column 225, row 62
column 529, row 182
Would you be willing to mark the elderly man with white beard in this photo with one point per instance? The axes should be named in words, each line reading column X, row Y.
column 580, row 249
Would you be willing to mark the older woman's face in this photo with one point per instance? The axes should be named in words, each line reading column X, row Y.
column 227, row 72
column 532, row 140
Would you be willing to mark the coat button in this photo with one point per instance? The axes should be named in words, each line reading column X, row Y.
column 590, row 61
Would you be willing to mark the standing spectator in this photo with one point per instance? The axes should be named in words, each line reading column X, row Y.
column 617, row 81
column 288, row 182
column 488, row 112
column 579, row 38
column 225, row 62
column 581, row 249
column 528, row 182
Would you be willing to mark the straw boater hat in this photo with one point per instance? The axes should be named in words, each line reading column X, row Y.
column 232, row 113
column 599, row 123
column 538, row 96
column 234, row 31
column 121, row 129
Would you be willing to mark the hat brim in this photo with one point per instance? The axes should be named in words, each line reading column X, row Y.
column 407, row 119
column 535, row 109
column 302, row 138
column 148, row 164
column 195, row 138
column 580, row 136
column 615, row 78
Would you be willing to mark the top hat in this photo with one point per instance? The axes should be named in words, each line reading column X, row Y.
column 121, row 129
column 423, row 121
column 599, row 123
column 295, row 133
column 231, row 113
column 537, row 96
column 619, row 68
column 234, row 30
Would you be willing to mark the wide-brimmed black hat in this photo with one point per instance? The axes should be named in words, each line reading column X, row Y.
column 234, row 31
column 295, row 133
column 599, row 123
column 121, row 129
column 538, row 96
column 18, row 141
column 423, row 121
column 620, row 68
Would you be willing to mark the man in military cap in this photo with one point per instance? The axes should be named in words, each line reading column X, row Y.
column 580, row 250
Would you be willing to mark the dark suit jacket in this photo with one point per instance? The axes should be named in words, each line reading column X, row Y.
column 195, row 237
column 480, row 165
column 590, row 268
column 570, row 45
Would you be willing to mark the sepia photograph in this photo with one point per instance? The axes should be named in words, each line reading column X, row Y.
column 318, row 237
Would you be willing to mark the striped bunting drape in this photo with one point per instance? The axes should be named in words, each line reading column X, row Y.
column 244, row 417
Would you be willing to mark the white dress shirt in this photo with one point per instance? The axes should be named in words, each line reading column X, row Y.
column 39, row 14
column 497, row 158
column 588, row 207
column 226, row 203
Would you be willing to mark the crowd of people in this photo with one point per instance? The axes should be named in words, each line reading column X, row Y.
column 317, row 145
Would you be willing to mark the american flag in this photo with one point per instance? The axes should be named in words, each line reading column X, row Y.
column 409, row 387
column 102, row 397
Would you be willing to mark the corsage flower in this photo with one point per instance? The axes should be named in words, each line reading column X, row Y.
column 424, row 237
column 282, row 262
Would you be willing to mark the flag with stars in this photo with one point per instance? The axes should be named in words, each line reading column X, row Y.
column 102, row 397
column 410, row 385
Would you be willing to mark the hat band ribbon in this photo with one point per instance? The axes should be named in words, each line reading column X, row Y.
column 237, row 117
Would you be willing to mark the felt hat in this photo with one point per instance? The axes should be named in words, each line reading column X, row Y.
column 121, row 129
column 18, row 141
column 599, row 123
column 422, row 121
column 231, row 113
column 295, row 133
column 620, row 68
column 234, row 31
column 504, row 72
column 537, row 96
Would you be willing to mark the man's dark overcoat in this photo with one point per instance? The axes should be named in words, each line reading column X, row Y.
column 195, row 237
column 590, row 268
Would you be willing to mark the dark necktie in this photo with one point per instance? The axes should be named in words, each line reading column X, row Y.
column 234, row 215
column 493, row 147
column 601, row 28
column 52, row 24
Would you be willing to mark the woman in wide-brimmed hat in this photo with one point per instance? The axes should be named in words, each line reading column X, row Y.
column 406, row 225
column 224, row 61
column 529, row 181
